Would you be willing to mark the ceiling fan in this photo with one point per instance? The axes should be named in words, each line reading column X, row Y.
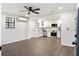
column 30, row 9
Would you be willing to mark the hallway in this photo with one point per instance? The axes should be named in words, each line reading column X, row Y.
column 44, row 46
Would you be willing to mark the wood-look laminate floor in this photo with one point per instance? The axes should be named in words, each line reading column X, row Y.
column 37, row 47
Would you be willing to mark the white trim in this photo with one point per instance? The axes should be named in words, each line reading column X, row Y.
column 28, row 38
column 14, row 41
column 67, row 45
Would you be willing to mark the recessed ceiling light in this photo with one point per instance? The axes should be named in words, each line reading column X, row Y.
column 60, row 8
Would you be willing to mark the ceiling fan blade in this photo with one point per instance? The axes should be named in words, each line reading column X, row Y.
column 36, row 9
column 26, row 7
column 35, row 12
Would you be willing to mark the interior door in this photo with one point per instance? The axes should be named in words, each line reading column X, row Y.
column 77, row 36
column 77, row 42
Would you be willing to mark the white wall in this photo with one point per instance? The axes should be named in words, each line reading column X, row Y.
column 12, row 35
column 23, row 30
column 67, row 36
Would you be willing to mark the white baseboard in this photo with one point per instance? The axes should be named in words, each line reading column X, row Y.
column 4, row 43
column 67, row 45
column 17, row 40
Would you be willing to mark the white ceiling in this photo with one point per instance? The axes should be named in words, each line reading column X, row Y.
column 45, row 8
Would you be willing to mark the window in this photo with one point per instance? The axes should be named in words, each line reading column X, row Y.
column 10, row 22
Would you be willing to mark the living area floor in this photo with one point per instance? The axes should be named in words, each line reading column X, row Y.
column 44, row 46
